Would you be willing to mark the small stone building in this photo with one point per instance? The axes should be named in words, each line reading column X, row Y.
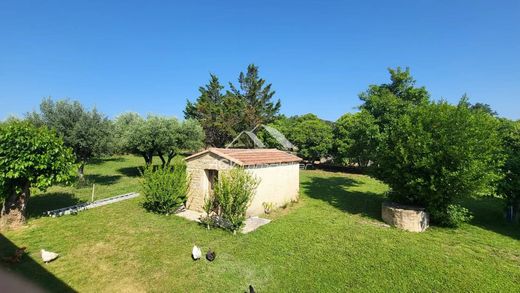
column 277, row 171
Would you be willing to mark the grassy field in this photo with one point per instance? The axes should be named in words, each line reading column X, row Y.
column 331, row 240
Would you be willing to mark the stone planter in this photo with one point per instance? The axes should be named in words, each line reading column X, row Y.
column 408, row 218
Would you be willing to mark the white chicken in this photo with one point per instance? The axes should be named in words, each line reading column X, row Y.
column 48, row 256
column 196, row 253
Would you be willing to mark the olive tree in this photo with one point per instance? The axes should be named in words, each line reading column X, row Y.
column 87, row 132
column 30, row 157
column 156, row 135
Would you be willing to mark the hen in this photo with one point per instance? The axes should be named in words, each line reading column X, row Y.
column 48, row 256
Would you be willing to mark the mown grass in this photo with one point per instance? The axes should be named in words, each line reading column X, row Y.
column 111, row 176
column 331, row 240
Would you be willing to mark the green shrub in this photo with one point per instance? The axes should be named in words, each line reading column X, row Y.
column 437, row 153
column 453, row 216
column 233, row 194
column 165, row 188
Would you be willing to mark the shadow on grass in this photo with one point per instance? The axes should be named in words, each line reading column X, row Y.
column 488, row 214
column 99, row 161
column 130, row 171
column 30, row 270
column 102, row 179
column 50, row 201
column 333, row 191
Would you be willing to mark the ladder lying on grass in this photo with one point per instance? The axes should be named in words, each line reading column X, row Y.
column 89, row 205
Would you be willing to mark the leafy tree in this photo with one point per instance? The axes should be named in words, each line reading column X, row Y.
column 509, row 187
column 156, row 135
column 30, row 156
column 87, row 132
column 188, row 136
column 484, row 107
column 436, row 153
column 387, row 101
column 310, row 134
column 223, row 116
column 257, row 96
column 356, row 137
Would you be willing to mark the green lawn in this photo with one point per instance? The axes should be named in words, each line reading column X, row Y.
column 332, row 240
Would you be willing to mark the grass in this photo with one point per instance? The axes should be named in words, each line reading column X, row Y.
column 111, row 176
column 331, row 240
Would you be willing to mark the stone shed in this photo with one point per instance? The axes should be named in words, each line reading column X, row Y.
column 278, row 172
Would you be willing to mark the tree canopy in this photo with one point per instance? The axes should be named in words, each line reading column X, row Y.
column 157, row 135
column 356, row 137
column 87, row 132
column 224, row 115
column 387, row 101
column 437, row 153
column 312, row 136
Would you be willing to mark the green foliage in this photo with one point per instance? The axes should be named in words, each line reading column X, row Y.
column 431, row 154
column 509, row 187
column 233, row 194
column 223, row 116
column 312, row 136
column 165, row 189
column 386, row 102
column 218, row 114
column 87, row 132
column 437, row 153
column 156, row 135
column 356, row 137
column 453, row 216
column 256, row 96
column 32, row 156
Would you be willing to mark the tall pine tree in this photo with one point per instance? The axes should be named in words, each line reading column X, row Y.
column 257, row 98
column 217, row 113
column 223, row 116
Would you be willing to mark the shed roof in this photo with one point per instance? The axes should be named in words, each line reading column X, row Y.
column 249, row 157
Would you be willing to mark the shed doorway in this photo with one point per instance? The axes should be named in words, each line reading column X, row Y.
column 212, row 176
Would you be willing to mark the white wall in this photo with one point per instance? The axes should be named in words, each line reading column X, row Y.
column 278, row 185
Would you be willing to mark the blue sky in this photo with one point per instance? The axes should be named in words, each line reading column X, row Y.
column 149, row 57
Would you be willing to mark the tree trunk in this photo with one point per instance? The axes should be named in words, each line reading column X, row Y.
column 160, row 154
column 147, row 158
column 171, row 155
column 81, row 172
column 14, row 207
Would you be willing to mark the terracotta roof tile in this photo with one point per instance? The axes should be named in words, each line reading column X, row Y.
column 248, row 157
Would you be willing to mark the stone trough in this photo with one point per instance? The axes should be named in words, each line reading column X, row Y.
column 413, row 219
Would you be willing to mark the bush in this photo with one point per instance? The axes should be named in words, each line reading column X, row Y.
column 454, row 216
column 232, row 196
column 434, row 154
column 165, row 188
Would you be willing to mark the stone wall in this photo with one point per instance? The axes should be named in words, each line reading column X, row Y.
column 408, row 218
column 198, row 180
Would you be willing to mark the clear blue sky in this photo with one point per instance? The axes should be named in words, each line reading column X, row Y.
column 149, row 56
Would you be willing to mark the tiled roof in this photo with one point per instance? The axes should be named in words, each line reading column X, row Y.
column 248, row 157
